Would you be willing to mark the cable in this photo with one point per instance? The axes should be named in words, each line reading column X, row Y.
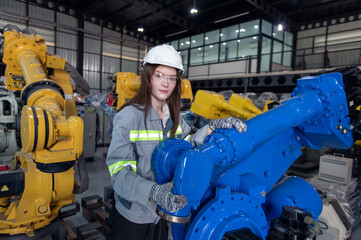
column 326, row 226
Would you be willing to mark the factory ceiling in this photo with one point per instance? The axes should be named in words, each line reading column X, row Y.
column 167, row 20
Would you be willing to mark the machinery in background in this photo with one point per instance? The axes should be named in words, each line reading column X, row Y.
column 42, row 182
column 229, row 181
column 294, row 224
column 89, row 115
column 212, row 105
column 126, row 85
column 9, row 127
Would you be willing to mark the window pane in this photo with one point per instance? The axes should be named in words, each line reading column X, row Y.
column 288, row 38
column 266, row 28
column 196, row 56
column 184, row 43
column 319, row 41
column 277, row 34
column 266, row 45
column 197, row 40
column 228, row 51
column 229, row 33
column 247, row 47
column 344, row 37
column 287, row 55
column 211, row 53
column 277, row 52
column 249, row 28
column 175, row 44
column 211, row 37
column 265, row 59
column 185, row 73
column 184, row 55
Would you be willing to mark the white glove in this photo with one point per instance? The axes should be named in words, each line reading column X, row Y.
column 228, row 122
column 162, row 195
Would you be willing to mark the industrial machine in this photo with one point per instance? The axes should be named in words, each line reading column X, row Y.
column 9, row 109
column 213, row 105
column 89, row 115
column 230, row 180
column 126, row 85
column 42, row 181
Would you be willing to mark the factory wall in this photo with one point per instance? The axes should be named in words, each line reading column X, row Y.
column 256, row 46
column 252, row 47
column 103, row 51
column 331, row 43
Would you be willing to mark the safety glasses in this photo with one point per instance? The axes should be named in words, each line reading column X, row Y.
column 160, row 77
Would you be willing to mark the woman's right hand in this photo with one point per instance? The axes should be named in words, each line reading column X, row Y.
column 163, row 196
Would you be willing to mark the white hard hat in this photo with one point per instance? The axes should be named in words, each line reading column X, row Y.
column 164, row 55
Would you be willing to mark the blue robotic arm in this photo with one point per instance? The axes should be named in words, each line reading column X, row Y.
column 230, row 180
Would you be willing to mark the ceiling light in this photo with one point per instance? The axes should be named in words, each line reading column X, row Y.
column 255, row 37
column 194, row 10
column 238, row 40
column 206, row 38
column 224, row 43
column 199, row 49
column 61, row 8
column 280, row 27
column 255, row 26
column 72, row 12
column 140, row 29
column 188, row 42
column 193, row 41
column 221, row 34
column 51, row 4
column 211, row 46
column 242, row 30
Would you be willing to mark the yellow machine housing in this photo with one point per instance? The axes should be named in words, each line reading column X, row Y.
column 212, row 105
column 128, row 83
column 51, row 133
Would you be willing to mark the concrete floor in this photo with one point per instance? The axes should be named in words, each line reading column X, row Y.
column 99, row 177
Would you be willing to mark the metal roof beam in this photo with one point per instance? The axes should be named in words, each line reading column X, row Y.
column 165, row 13
column 111, row 14
column 271, row 11
column 92, row 7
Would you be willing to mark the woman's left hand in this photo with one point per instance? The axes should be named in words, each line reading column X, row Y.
column 228, row 123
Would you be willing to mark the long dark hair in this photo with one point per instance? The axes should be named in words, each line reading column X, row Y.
column 142, row 99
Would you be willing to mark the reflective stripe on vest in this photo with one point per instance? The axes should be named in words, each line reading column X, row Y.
column 116, row 167
column 187, row 138
column 178, row 131
column 150, row 135
column 144, row 135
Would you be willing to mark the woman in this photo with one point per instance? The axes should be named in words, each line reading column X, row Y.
column 151, row 116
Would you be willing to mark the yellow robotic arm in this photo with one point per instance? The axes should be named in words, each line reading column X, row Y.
column 51, row 134
column 212, row 105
